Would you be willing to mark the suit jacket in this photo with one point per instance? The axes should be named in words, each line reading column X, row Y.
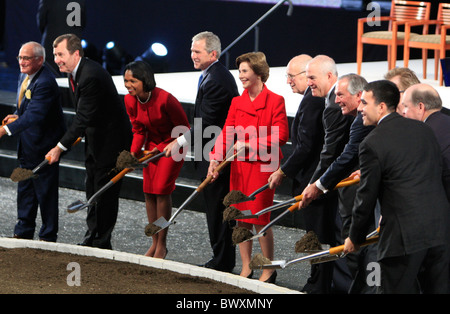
column 400, row 165
column 217, row 89
column 347, row 162
column 440, row 124
column 337, row 130
column 307, row 140
column 100, row 115
column 41, row 122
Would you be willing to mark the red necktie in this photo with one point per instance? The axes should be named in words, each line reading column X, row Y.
column 72, row 84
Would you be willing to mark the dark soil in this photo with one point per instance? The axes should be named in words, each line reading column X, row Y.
column 240, row 235
column 33, row 271
column 309, row 242
column 125, row 160
column 233, row 197
column 259, row 260
column 20, row 174
column 231, row 213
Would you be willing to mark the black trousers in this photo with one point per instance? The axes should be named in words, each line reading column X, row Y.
column 425, row 271
column 220, row 232
column 101, row 218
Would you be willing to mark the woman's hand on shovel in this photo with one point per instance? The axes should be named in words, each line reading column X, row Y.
column 212, row 170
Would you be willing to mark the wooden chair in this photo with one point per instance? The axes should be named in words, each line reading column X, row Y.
column 401, row 11
column 439, row 42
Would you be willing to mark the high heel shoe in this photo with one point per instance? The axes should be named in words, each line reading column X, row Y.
column 250, row 276
column 272, row 277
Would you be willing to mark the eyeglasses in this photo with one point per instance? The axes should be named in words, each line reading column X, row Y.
column 24, row 58
column 291, row 76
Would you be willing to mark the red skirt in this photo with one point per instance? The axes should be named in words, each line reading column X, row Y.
column 160, row 176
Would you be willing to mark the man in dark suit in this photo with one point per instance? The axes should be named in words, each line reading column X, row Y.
column 306, row 131
column 322, row 76
column 39, row 124
column 217, row 87
column 400, row 163
column 101, row 118
column 348, row 92
column 58, row 17
column 422, row 102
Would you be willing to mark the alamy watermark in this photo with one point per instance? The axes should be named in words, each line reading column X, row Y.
column 74, row 17
column 263, row 143
column 373, row 19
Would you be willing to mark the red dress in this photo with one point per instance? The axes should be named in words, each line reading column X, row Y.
column 264, row 124
column 153, row 123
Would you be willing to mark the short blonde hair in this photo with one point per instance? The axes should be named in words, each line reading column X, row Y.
column 257, row 62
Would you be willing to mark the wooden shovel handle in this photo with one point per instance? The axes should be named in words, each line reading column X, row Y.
column 121, row 174
column 339, row 249
column 345, row 182
column 219, row 168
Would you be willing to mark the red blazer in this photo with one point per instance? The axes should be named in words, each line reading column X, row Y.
column 154, row 121
column 264, row 124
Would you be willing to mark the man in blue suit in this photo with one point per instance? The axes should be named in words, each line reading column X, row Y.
column 38, row 122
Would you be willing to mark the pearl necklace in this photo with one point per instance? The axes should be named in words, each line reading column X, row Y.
column 148, row 98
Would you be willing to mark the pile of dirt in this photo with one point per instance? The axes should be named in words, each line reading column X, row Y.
column 309, row 242
column 20, row 174
column 33, row 271
column 233, row 197
column 151, row 229
column 231, row 213
column 240, row 234
column 259, row 260
column 125, row 160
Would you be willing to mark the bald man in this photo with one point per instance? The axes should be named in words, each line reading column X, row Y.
column 422, row 102
column 306, row 130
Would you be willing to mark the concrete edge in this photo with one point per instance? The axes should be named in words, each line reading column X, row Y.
column 227, row 278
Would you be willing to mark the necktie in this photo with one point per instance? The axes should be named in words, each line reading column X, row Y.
column 72, row 83
column 23, row 88
column 200, row 81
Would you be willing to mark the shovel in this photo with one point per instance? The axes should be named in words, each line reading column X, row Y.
column 20, row 174
column 346, row 182
column 161, row 223
column 78, row 205
column 247, row 213
column 322, row 256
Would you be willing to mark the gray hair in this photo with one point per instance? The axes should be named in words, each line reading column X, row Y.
column 326, row 64
column 356, row 83
column 212, row 42
column 38, row 50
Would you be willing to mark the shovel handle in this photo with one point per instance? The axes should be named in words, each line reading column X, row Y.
column 219, row 168
column 121, row 174
column 345, row 182
column 77, row 141
column 339, row 249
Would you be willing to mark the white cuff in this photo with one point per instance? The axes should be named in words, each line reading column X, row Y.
column 7, row 130
column 61, row 146
column 321, row 187
column 181, row 141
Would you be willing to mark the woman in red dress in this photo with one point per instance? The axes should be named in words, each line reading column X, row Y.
column 154, row 113
column 257, row 120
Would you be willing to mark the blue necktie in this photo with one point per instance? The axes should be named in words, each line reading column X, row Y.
column 199, row 81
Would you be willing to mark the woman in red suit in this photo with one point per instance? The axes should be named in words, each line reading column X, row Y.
column 257, row 120
column 154, row 113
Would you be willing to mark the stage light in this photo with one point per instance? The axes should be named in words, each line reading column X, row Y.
column 159, row 49
column 115, row 58
column 156, row 56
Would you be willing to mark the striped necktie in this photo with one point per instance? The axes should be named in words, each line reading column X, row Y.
column 23, row 88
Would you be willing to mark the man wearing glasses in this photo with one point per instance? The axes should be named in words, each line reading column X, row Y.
column 38, row 124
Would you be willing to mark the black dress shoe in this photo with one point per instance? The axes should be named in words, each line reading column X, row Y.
column 272, row 277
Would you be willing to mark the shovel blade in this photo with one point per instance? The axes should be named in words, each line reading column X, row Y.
column 273, row 265
column 159, row 224
column 76, row 206
column 246, row 214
